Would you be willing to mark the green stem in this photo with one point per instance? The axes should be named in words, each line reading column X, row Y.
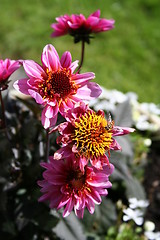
column 47, row 145
column 82, row 56
column 3, row 112
column 4, row 126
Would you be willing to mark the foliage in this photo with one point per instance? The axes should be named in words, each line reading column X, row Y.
column 125, row 232
column 21, row 216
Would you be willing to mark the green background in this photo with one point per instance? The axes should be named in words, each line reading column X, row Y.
column 125, row 58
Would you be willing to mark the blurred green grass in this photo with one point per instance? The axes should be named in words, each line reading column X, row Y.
column 125, row 58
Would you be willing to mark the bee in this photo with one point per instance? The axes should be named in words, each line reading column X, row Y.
column 109, row 121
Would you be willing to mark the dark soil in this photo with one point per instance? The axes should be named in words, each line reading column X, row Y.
column 152, row 184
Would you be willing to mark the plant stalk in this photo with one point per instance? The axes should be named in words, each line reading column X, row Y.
column 82, row 56
column 47, row 145
column 3, row 119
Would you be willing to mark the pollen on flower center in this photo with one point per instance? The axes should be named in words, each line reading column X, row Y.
column 57, row 83
column 92, row 135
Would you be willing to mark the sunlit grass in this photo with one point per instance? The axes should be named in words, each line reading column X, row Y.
column 126, row 58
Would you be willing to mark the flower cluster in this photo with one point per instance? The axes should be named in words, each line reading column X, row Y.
column 78, row 172
column 77, row 176
column 134, row 211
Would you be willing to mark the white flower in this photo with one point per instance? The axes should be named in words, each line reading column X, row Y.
column 135, row 203
column 152, row 235
column 149, row 226
column 135, row 215
column 147, row 142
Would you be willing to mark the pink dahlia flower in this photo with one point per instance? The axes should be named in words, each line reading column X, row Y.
column 89, row 136
column 7, row 67
column 65, row 185
column 80, row 27
column 54, row 85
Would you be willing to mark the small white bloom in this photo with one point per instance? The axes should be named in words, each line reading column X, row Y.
column 147, row 142
column 135, row 203
column 152, row 235
column 149, row 226
column 135, row 215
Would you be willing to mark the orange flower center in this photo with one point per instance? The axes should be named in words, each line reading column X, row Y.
column 57, row 83
column 92, row 135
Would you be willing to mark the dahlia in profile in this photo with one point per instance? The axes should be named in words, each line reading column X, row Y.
column 80, row 27
column 7, row 67
column 65, row 185
column 89, row 136
column 55, row 85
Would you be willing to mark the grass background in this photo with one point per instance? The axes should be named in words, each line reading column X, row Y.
column 126, row 58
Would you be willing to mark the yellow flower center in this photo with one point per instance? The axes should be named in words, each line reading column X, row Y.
column 92, row 135
column 58, row 82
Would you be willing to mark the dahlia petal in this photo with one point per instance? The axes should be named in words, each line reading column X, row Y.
column 62, row 153
column 45, row 165
column 53, row 121
column 93, row 21
column 13, row 66
column 59, row 28
column 115, row 145
column 44, row 197
column 108, row 169
column 96, row 13
column 66, row 59
column 75, row 99
column 94, row 195
column 33, row 69
column 74, row 65
column 32, row 83
column 52, row 103
column 73, row 25
column 103, row 192
column 51, row 111
column 44, row 184
column 55, row 180
column 83, row 78
column 80, row 202
column 22, row 86
column 98, row 180
column 89, row 91
column 68, row 208
column 36, row 96
column 50, row 58
column 69, row 103
column 55, row 200
column 97, row 163
column 104, row 160
column 104, row 25
column 57, row 34
column 79, row 213
column 48, row 122
column 82, row 163
column 90, row 205
column 118, row 131
column 58, row 166
column 65, row 128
